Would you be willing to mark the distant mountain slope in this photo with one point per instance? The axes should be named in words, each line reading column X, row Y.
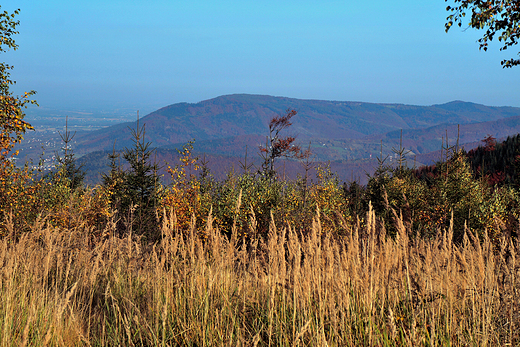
column 349, row 134
column 239, row 115
column 418, row 141
column 431, row 139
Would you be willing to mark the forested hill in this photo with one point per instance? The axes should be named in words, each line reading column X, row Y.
column 349, row 134
column 498, row 163
column 238, row 115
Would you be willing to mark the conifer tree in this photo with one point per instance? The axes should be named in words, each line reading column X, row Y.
column 114, row 180
column 140, row 184
column 67, row 165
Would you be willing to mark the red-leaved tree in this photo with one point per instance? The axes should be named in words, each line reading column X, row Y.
column 277, row 146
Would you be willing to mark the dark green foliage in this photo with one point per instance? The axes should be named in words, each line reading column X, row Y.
column 388, row 189
column 114, row 180
column 67, row 165
column 135, row 191
column 497, row 163
column 141, row 178
column 356, row 197
column 140, row 185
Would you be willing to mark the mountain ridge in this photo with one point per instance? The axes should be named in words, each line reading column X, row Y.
column 247, row 114
column 348, row 134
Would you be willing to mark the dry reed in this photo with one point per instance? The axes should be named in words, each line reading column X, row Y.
column 363, row 289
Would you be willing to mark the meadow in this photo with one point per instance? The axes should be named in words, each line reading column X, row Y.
column 60, row 288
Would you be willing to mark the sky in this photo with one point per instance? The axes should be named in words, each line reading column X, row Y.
column 143, row 55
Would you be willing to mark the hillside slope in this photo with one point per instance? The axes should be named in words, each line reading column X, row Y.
column 244, row 115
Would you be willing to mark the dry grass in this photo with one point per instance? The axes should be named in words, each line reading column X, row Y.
column 58, row 288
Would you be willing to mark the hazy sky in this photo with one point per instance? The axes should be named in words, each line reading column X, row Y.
column 147, row 54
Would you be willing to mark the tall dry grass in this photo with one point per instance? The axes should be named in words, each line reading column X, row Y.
column 60, row 288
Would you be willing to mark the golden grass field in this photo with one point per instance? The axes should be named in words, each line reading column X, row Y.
column 59, row 288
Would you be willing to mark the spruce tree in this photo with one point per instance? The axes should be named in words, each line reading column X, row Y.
column 140, row 185
column 114, row 180
column 67, row 165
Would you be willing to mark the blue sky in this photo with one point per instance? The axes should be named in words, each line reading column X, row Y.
column 109, row 54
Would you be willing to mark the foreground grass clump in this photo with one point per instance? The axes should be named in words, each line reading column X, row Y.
column 59, row 288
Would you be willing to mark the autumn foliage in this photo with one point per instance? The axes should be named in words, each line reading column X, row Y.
column 426, row 256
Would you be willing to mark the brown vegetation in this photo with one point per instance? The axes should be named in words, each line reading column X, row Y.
column 59, row 288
